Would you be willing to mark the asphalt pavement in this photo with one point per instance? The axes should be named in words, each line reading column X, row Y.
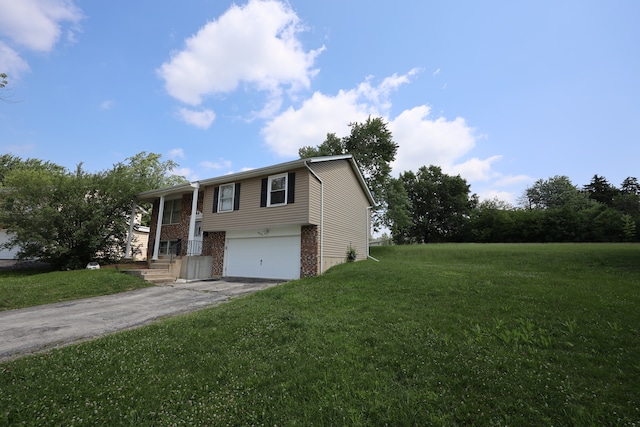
column 41, row 328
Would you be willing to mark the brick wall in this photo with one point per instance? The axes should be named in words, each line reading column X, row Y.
column 217, row 240
column 309, row 251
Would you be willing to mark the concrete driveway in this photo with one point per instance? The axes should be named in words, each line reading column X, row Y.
column 35, row 329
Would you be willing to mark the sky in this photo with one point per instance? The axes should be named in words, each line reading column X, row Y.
column 503, row 93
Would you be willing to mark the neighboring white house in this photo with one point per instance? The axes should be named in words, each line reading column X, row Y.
column 6, row 253
column 139, row 244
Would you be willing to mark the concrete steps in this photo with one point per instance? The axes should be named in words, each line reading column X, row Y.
column 157, row 273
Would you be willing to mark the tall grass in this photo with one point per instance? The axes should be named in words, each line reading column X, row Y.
column 431, row 335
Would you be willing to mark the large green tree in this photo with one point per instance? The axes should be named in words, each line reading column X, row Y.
column 440, row 205
column 372, row 146
column 69, row 218
column 555, row 192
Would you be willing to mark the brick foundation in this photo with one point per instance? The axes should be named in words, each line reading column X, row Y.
column 309, row 251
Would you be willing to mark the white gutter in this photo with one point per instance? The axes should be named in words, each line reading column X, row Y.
column 321, row 217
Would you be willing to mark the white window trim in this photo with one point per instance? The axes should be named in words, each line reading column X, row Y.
column 233, row 197
column 286, row 189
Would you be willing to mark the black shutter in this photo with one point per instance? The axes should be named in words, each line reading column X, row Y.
column 236, row 197
column 291, row 187
column 263, row 193
column 216, row 192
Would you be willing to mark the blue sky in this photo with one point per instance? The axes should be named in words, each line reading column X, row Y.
column 501, row 92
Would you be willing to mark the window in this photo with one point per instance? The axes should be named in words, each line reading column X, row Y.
column 277, row 194
column 278, row 190
column 172, row 210
column 167, row 247
column 225, row 200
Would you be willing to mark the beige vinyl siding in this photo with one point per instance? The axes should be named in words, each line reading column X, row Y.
column 345, row 212
column 251, row 215
column 315, row 200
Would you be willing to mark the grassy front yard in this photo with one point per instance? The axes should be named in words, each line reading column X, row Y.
column 431, row 335
column 28, row 287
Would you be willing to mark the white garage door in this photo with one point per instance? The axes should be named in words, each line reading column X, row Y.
column 264, row 257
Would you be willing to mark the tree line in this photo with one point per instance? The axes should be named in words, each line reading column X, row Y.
column 555, row 210
column 429, row 206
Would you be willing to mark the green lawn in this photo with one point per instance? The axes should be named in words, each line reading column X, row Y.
column 431, row 335
column 28, row 287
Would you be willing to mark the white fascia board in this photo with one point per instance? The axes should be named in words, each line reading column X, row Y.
column 265, row 171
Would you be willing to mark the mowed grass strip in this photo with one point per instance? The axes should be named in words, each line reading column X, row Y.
column 430, row 335
column 29, row 287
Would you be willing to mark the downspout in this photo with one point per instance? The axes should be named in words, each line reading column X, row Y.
column 192, row 220
column 369, row 232
column 321, row 217
column 127, row 251
column 156, row 243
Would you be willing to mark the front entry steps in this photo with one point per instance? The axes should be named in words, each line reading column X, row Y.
column 157, row 273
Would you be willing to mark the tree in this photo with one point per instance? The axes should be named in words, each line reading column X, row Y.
column 71, row 218
column 490, row 221
column 3, row 84
column 630, row 185
column 372, row 146
column 440, row 205
column 627, row 200
column 398, row 214
column 552, row 193
column 600, row 190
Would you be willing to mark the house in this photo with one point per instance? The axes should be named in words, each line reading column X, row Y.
column 6, row 253
column 137, row 244
column 285, row 221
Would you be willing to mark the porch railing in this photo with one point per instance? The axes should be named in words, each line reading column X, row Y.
column 194, row 247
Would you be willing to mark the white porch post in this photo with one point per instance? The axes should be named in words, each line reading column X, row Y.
column 127, row 251
column 192, row 219
column 156, row 243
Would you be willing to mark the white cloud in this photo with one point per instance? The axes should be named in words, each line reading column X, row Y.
column 11, row 62
column 201, row 119
column 320, row 114
column 425, row 141
column 221, row 164
column 176, row 153
column 186, row 172
column 35, row 25
column 254, row 44
column 504, row 196
column 107, row 105
column 309, row 124
column 474, row 169
column 504, row 181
